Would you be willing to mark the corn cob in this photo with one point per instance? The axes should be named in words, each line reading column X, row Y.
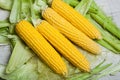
column 70, row 31
column 41, row 47
column 63, row 45
column 76, row 19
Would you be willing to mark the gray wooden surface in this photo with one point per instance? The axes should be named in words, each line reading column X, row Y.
column 112, row 8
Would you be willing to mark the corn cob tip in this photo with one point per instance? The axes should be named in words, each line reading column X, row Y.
column 20, row 22
column 88, row 70
column 99, row 50
column 87, row 67
column 99, row 37
column 65, row 73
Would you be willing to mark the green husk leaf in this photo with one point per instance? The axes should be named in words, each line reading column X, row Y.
column 3, row 38
column 107, row 37
column 44, row 70
column 4, row 23
column 96, row 70
column 26, row 72
column 25, row 10
column 13, row 39
column 83, row 6
column 2, row 69
column 106, row 45
column 6, row 4
column 14, row 15
column 20, row 55
column 98, row 14
column 114, row 30
column 12, row 29
column 36, row 8
column 97, row 10
column 4, row 31
column 115, row 68
column 72, row 3
column 30, row 67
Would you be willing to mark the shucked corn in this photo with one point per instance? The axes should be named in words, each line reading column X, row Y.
column 70, row 31
column 63, row 45
column 41, row 47
column 75, row 18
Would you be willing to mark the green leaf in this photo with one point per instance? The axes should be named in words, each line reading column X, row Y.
column 44, row 70
column 83, row 6
column 2, row 70
column 106, row 22
column 106, row 45
column 14, row 15
column 25, row 10
column 114, row 30
column 108, row 39
column 4, row 24
column 3, row 38
column 4, row 31
column 12, row 29
column 36, row 8
column 26, row 72
column 73, row 3
column 6, row 4
column 96, row 70
column 20, row 55
column 115, row 68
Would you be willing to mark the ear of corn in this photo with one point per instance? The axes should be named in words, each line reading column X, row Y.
column 41, row 47
column 70, row 31
column 76, row 19
column 64, row 46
